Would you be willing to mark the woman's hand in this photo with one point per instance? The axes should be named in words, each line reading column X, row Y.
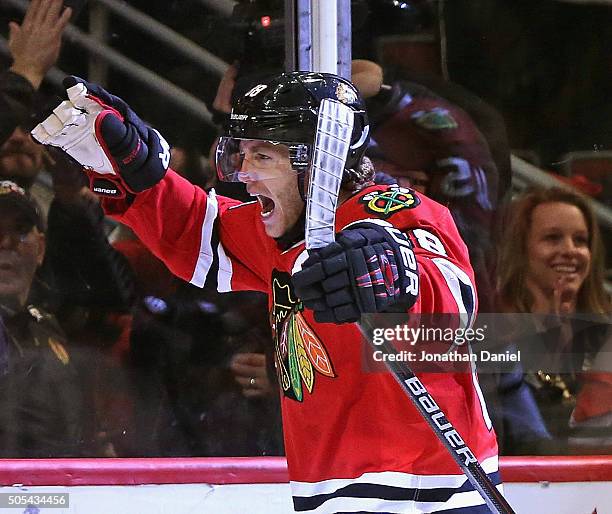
column 561, row 301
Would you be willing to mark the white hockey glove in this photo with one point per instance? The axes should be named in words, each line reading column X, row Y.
column 119, row 152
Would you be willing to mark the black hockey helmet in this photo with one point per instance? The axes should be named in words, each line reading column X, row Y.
column 283, row 110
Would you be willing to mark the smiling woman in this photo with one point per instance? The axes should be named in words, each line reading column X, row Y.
column 559, row 255
column 559, row 397
column 551, row 260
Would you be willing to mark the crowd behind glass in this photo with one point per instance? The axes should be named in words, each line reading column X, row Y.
column 103, row 352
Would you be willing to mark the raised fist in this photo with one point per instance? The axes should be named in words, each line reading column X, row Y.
column 120, row 153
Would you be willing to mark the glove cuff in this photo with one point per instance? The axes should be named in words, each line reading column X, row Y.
column 140, row 164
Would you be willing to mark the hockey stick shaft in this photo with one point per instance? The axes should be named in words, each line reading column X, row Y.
column 331, row 147
column 439, row 423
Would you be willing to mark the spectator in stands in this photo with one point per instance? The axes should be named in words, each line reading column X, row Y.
column 201, row 371
column 34, row 47
column 551, row 266
column 81, row 280
column 84, row 281
column 91, row 289
column 21, row 159
column 40, row 395
column 191, row 355
column 423, row 139
column 536, row 236
column 201, row 375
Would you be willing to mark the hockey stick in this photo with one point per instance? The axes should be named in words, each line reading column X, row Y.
column 332, row 143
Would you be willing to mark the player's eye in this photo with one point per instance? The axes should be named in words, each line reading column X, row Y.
column 260, row 159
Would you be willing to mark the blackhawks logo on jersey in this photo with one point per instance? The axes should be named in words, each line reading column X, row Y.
column 298, row 353
column 386, row 203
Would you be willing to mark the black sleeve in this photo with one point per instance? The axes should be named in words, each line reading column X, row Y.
column 86, row 269
column 16, row 100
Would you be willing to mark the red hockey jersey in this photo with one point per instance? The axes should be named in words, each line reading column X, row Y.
column 354, row 441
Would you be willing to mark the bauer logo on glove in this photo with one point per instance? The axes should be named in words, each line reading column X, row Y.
column 120, row 153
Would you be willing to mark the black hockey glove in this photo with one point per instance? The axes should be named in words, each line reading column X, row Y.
column 369, row 268
column 120, row 153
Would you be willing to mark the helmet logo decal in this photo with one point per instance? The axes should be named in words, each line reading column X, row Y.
column 256, row 90
column 345, row 94
column 386, row 203
column 299, row 355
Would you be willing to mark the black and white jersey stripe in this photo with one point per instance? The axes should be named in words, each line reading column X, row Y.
column 213, row 265
column 390, row 492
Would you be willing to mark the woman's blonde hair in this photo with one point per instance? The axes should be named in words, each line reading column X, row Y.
column 513, row 256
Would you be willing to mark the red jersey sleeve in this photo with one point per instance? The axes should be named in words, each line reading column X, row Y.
column 193, row 233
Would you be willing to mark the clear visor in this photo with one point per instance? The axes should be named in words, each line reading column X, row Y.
column 244, row 160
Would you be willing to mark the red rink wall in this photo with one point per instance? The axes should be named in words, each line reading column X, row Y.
column 560, row 485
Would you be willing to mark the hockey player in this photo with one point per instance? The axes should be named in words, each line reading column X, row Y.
column 354, row 442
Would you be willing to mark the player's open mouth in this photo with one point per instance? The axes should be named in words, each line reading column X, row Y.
column 267, row 205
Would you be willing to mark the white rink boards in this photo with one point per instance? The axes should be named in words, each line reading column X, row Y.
column 576, row 485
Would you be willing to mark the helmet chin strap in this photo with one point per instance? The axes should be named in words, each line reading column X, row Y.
column 295, row 233
column 301, row 183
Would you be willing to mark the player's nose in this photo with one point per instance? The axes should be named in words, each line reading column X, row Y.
column 246, row 176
